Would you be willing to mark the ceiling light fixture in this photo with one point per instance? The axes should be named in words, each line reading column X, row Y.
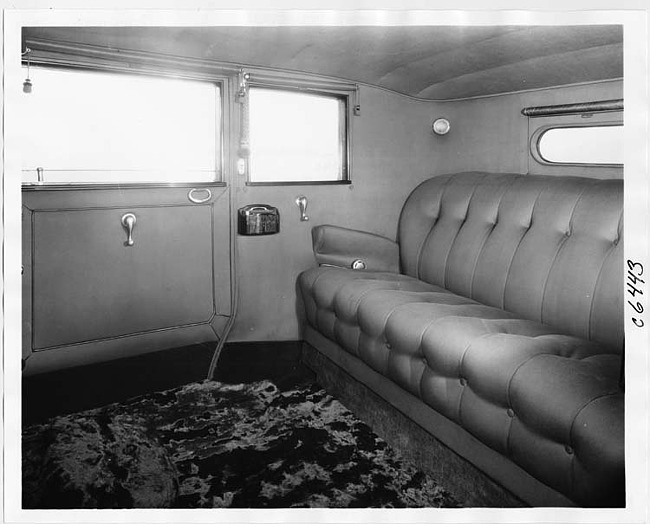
column 27, row 84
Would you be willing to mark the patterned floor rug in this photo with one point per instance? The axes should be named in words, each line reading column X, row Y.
column 213, row 445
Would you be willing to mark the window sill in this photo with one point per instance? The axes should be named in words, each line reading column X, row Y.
column 303, row 183
column 34, row 186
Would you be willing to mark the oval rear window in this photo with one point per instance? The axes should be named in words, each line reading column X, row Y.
column 582, row 145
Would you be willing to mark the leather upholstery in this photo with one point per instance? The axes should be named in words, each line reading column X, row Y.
column 547, row 248
column 503, row 323
column 339, row 246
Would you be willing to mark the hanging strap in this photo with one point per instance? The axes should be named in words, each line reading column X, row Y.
column 242, row 97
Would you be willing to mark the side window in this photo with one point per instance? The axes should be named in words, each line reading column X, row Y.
column 297, row 137
column 581, row 143
column 84, row 127
column 601, row 145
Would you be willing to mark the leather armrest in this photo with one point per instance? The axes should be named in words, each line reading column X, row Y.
column 341, row 247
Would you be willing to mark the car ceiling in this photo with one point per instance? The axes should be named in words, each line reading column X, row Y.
column 429, row 62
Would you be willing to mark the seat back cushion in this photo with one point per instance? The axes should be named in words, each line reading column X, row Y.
column 547, row 248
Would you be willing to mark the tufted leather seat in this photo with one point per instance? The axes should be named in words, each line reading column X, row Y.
column 507, row 319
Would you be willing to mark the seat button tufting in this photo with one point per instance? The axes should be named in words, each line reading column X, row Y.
column 510, row 412
column 568, row 449
column 568, row 233
column 463, row 381
column 388, row 345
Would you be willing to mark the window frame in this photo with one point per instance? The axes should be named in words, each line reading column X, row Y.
column 345, row 131
column 54, row 53
column 540, row 125
column 74, row 63
column 539, row 134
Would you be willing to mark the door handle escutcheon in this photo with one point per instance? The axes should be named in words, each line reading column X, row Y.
column 301, row 202
column 198, row 200
column 128, row 222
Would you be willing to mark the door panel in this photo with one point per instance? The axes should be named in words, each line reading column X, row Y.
column 94, row 286
column 90, row 297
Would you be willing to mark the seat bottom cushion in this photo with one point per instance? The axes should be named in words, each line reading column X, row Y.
column 548, row 401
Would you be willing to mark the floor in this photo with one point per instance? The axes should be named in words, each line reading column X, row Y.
column 208, row 445
column 86, row 387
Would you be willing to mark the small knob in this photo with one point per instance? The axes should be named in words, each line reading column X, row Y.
column 358, row 264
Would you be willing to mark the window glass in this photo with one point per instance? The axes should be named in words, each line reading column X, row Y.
column 582, row 145
column 296, row 137
column 92, row 127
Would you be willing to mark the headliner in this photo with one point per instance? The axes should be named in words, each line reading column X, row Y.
column 430, row 62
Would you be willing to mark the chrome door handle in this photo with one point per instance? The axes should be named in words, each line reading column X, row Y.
column 128, row 222
column 301, row 202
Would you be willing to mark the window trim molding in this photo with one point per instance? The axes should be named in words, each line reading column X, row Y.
column 300, row 183
column 88, row 56
column 102, row 58
column 74, row 186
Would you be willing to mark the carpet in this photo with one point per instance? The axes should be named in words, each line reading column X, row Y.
column 214, row 445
